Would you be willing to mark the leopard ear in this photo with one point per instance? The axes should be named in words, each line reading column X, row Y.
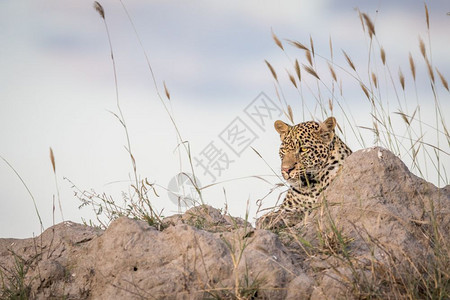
column 281, row 127
column 326, row 129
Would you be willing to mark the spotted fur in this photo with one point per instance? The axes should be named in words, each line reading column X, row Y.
column 311, row 156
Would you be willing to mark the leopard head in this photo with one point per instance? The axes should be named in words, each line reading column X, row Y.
column 305, row 149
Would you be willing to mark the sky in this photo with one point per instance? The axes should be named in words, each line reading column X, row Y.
column 57, row 90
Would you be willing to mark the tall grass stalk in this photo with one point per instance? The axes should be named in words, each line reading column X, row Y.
column 28, row 190
column 52, row 160
column 407, row 140
column 98, row 7
column 138, row 186
column 181, row 141
column 402, row 131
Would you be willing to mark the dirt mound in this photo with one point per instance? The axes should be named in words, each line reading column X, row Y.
column 379, row 231
column 382, row 232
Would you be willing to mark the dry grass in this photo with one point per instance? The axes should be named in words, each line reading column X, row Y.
column 403, row 132
column 298, row 45
column 349, row 60
column 425, row 279
column 374, row 80
column 407, row 140
column 52, row 160
column 383, row 55
column 386, row 272
column 137, row 202
column 443, row 80
column 333, row 73
column 272, row 70
column 298, row 71
column 369, row 24
column 28, row 190
column 311, row 71
column 412, row 66
column 308, row 58
column 277, row 41
column 387, row 280
column 401, row 78
column 14, row 284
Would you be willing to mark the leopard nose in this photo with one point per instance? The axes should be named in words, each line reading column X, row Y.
column 286, row 169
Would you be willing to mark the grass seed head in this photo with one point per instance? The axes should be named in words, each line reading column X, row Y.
column 422, row 47
column 99, row 8
column 311, row 71
column 361, row 20
column 291, row 115
column 333, row 74
column 369, row 24
column 308, row 57
column 443, row 80
column 331, row 49
column 430, row 70
column 401, row 78
column 404, row 117
column 52, row 159
column 375, row 129
column 298, row 45
column 277, row 41
column 291, row 78
column 427, row 17
column 166, row 90
column 366, row 92
column 298, row 71
column 374, row 80
column 412, row 66
column 272, row 70
column 349, row 60
column 383, row 55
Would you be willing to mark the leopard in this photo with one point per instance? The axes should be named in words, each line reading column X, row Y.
column 311, row 157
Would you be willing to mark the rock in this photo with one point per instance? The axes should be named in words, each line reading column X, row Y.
column 381, row 200
column 378, row 216
column 334, row 285
column 132, row 260
column 205, row 217
column 377, row 225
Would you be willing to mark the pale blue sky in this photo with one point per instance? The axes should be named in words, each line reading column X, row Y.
column 56, row 87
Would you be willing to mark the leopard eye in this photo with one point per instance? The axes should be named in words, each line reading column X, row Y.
column 304, row 150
